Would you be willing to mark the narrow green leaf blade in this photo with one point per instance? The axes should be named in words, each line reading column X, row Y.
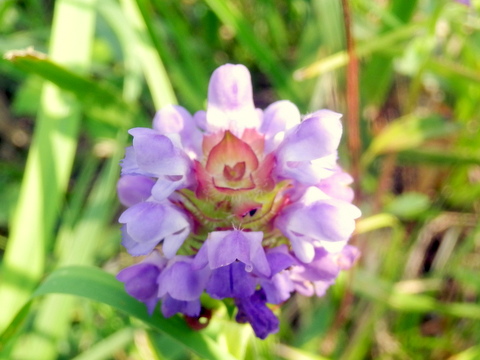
column 101, row 102
column 97, row 285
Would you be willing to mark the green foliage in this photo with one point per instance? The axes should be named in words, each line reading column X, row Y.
column 100, row 67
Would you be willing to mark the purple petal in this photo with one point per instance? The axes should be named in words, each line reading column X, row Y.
column 347, row 257
column 181, row 281
column 304, row 288
column 132, row 189
column 336, row 186
column 130, row 166
column 135, row 248
column 277, row 118
column 171, row 306
column 279, row 259
column 315, row 139
column 156, row 154
column 230, row 100
column 316, row 219
column 166, row 185
column 200, row 118
column 174, row 241
column 278, row 288
column 254, row 310
column 141, row 279
column 201, row 258
column 308, row 172
column 175, row 119
column 230, row 281
column 321, row 287
column 148, row 223
column 323, row 267
column 225, row 247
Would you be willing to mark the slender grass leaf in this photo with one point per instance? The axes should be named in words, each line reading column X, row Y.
column 152, row 65
column 266, row 58
column 439, row 157
column 100, row 101
column 104, row 349
column 340, row 59
column 49, row 161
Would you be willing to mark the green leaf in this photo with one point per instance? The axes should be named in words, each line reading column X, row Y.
column 100, row 101
column 439, row 157
column 378, row 290
column 409, row 205
column 97, row 285
column 50, row 157
column 407, row 133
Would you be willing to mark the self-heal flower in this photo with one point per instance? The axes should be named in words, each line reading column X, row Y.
column 235, row 202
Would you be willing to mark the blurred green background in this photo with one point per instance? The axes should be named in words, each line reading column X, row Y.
column 76, row 74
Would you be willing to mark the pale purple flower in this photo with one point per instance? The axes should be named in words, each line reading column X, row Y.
column 238, row 203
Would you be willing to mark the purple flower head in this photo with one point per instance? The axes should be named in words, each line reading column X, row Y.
column 241, row 203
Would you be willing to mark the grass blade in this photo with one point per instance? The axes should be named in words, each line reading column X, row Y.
column 49, row 162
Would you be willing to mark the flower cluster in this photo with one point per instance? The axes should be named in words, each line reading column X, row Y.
column 235, row 202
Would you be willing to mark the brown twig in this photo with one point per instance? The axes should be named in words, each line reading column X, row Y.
column 354, row 146
column 352, row 99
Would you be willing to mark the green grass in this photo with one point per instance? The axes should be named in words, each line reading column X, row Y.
column 101, row 67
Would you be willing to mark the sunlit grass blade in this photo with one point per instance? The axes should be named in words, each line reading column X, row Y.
column 152, row 65
column 49, row 162
column 104, row 349
column 187, row 67
column 340, row 58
